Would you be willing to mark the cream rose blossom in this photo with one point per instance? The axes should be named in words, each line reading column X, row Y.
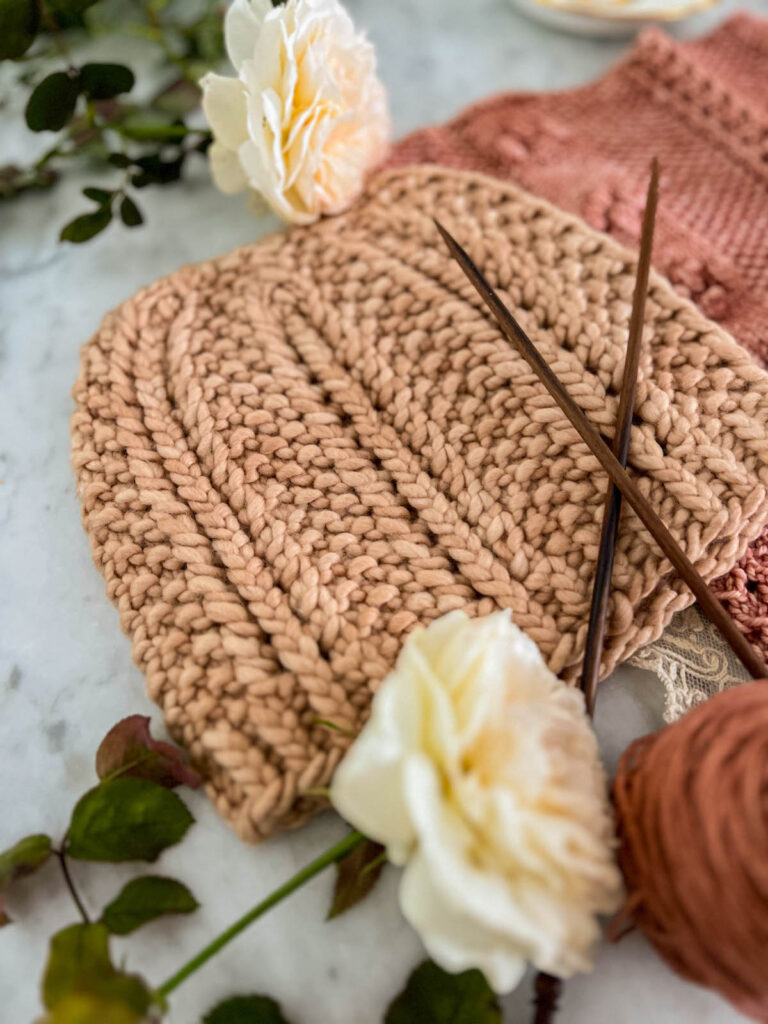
column 306, row 117
column 479, row 771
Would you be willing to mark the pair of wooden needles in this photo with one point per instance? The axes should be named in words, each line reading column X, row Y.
column 613, row 461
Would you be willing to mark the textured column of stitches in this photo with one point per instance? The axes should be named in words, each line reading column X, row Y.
column 702, row 108
column 291, row 456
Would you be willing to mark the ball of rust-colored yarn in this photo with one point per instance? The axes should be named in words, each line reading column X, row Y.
column 692, row 814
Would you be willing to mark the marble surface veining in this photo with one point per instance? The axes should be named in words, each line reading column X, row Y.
column 66, row 673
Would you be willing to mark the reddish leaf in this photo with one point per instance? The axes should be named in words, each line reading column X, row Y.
column 128, row 749
column 356, row 875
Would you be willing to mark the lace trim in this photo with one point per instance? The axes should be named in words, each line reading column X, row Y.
column 692, row 660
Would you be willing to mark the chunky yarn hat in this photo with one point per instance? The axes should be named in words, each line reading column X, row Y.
column 292, row 455
column 702, row 108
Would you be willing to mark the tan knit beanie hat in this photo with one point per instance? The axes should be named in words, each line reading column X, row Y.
column 701, row 107
column 290, row 456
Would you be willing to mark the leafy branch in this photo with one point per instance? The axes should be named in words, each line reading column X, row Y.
column 89, row 106
column 133, row 813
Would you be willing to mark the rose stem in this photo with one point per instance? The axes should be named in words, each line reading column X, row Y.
column 612, row 510
column 341, row 849
column 547, row 989
column 62, row 857
column 710, row 606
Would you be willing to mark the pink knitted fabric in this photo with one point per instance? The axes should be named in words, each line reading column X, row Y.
column 702, row 108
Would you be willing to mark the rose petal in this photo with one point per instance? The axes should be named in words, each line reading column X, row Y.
column 375, row 763
column 224, row 105
column 242, row 24
column 227, row 173
column 454, row 941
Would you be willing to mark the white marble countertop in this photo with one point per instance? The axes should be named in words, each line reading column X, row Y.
column 66, row 673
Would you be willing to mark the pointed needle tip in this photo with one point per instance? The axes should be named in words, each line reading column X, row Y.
column 655, row 172
column 442, row 230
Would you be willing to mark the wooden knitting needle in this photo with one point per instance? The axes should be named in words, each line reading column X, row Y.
column 710, row 606
column 601, row 589
column 548, row 988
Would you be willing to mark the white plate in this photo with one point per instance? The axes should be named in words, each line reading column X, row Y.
column 601, row 18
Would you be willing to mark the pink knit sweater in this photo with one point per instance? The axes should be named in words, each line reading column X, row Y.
column 702, row 108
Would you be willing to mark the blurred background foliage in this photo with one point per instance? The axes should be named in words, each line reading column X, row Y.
column 140, row 124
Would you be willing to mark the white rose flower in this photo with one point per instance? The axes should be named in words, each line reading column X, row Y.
column 479, row 770
column 306, row 117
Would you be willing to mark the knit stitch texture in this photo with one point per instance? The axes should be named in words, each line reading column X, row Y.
column 702, row 108
column 290, row 456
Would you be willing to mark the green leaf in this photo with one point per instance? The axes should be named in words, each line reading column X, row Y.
column 19, row 22
column 119, row 160
column 145, row 899
column 246, row 1010
column 356, row 875
column 156, row 171
column 52, row 102
column 128, row 749
column 433, row 996
column 132, row 218
column 126, row 819
column 22, row 859
column 103, row 81
column 86, row 225
column 98, row 195
column 79, row 965
column 88, row 1009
